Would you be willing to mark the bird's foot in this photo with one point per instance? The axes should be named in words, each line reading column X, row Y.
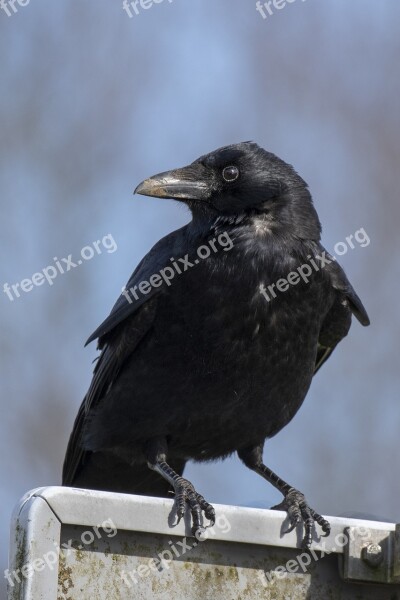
column 295, row 504
column 186, row 493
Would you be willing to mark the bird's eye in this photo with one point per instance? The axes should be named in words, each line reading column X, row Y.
column 230, row 173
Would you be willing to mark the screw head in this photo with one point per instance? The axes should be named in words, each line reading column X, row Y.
column 372, row 555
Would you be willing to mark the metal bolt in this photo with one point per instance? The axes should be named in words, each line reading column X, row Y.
column 372, row 555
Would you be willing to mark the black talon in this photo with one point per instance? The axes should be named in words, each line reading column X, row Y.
column 298, row 510
column 295, row 504
column 185, row 493
column 208, row 509
column 293, row 525
column 323, row 523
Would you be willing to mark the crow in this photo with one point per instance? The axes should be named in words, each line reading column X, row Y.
column 212, row 346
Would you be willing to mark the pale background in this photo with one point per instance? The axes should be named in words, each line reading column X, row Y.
column 91, row 103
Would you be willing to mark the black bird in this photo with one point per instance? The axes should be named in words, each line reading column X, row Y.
column 207, row 352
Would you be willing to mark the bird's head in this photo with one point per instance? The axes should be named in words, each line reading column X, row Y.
column 239, row 180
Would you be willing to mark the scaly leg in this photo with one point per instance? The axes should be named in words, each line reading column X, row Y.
column 184, row 489
column 294, row 502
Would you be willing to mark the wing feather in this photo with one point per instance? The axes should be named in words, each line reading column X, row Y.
column 129, row 302
column 118, row 346
column 338, row 319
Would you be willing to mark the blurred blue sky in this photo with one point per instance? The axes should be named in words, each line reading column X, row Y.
column 92, row 102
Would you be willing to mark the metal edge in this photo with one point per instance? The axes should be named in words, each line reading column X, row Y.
column 34, row 534
column 148, row 514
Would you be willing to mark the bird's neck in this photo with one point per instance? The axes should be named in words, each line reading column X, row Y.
column 291, row 215
column 297, row 214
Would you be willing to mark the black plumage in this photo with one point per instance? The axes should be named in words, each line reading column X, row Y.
column 211, row 362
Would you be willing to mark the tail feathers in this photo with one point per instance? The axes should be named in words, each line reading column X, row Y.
column 103, row 471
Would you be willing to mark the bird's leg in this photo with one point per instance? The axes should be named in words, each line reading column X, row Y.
column 294, row 502
column 184, row 489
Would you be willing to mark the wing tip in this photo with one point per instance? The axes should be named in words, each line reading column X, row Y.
column 365, row 321
column 90, row 339
column 360, row 313
column 96, row 334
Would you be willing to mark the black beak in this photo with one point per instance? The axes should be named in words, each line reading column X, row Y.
column 188, row 183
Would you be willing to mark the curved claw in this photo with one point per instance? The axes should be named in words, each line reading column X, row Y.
column 323, row 523
column 326, row 528
column 185, row 494
column 298, row 511
column 180, row 504
column 209, row 510
column 293, row 525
